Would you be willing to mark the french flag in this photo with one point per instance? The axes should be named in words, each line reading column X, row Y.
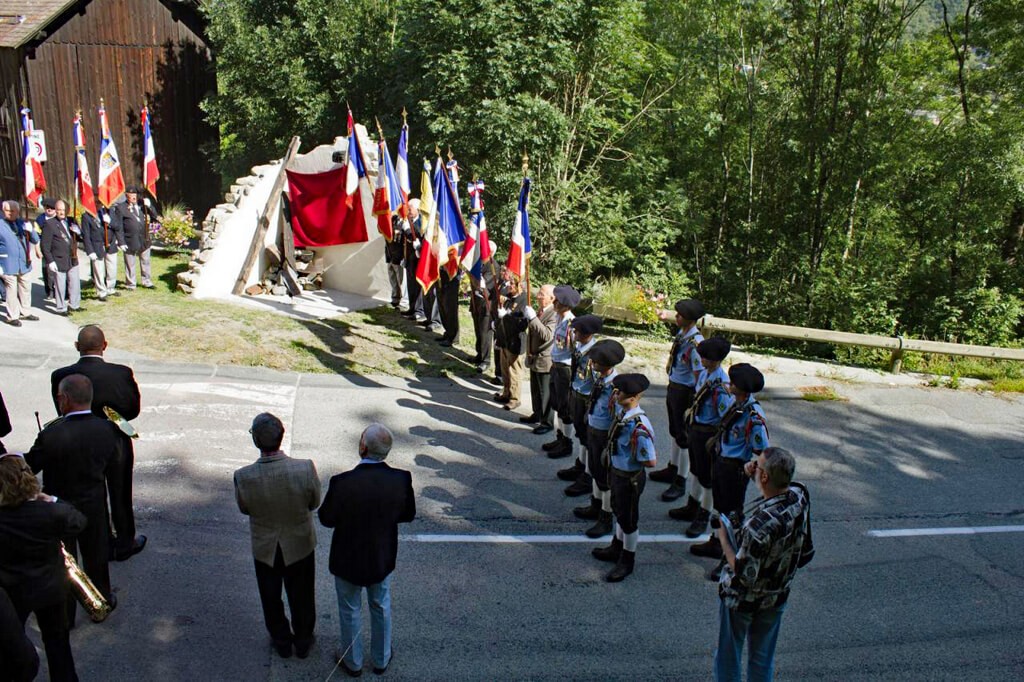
column 111, row 184
column 434, row 242
column 35, row 182
column 387, row 198
column 477, row 249
column 150, row 173
column 449, row 216
column 402, row 170
column 358, row 196
column 519, row 249
column 83, row 181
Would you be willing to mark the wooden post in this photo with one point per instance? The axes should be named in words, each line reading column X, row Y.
column 896, row 360
column 256, row 246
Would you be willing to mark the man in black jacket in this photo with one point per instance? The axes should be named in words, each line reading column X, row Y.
column 102, row 242
column 365, row 506
column 133, row 219
column 77, row 454
column 113, row 386
column 60, row 255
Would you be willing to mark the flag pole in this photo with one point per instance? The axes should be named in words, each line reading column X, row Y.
column 526, row 168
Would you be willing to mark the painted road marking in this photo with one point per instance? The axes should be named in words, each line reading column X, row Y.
column 912, row 532
column 539, row 539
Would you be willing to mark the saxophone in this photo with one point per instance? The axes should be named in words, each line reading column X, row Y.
column 86, row 593
column 123, row 424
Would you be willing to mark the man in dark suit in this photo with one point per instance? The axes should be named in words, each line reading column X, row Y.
column 77, row 454
column 60, row 255
column 102, row 242
column 365, row 506
column 132, row 219
column 278, row 494
column 113, row 386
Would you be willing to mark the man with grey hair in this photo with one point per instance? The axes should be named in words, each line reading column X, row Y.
column 540, row 337
column 278, row 494
column 16, row 263
column 60, row 253
column 755, row 582
column 364, row 507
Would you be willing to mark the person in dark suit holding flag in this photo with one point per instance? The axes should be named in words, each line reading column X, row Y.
column 60, row 254
column 364, row 507
column 413, row 228
column 102, row 243
column 113, row 386
column 132, row 219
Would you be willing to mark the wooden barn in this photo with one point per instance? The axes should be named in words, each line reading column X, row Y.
column 60, row 56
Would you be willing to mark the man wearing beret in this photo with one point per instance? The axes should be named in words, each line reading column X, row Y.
column 683, row 366
column 132, row 220
column 709, row 405
column 566, row 298
column 742, row 436
column 631, row 453
column 584, row 332
column 540, row 338
column 49, row 211
column 604, row 356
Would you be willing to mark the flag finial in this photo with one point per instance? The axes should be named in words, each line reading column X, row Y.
column 403, row 115
column 380, row 131
column 526, row 163
column 437, row 149
column 450, row 155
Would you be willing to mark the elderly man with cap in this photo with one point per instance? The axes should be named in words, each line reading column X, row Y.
column 133, row 219
column 540, row 338
column 49, row 211
column 711, row 401
column 682, row 367
column 566, row 298
column 630, row 453
column 584, row 333
column 604, row 356
column 102, row 244
column 742, row 436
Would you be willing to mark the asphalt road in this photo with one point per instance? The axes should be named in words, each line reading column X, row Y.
column 930, row 607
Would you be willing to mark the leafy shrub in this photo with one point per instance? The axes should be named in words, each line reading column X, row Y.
column 175, row 227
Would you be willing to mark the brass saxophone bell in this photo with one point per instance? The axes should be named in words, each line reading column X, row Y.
column 94, row 603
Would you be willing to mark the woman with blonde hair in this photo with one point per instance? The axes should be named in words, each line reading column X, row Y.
column 32, row 525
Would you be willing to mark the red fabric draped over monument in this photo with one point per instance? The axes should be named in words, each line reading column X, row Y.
column 319, row 210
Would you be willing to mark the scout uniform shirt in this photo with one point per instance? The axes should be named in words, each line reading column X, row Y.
column 602, row 403
column 633, row 441
column 715, row 399
column 745, row 430
column 562, row 350
column 684, row 363
column 583, row 374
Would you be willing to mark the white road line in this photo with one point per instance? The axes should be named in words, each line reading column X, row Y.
column 539, row 539
column 912, row 532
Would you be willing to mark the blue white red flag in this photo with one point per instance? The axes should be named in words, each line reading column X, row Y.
column 358, row 194
column 477, row 249
column 387, row 198
column 111, row 181
column 434, row 241
column 519, row 249
column 402, row 170
column 35, row 182
column 83, row 180
column 449, row 217
column 150, row 173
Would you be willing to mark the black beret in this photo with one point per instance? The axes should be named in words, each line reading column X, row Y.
column 567, row 296
column 690, row 309
column 715, row 348
column 50, row 203
column 607, row 353
column 132, row 189
column 631, row 384
column 746, row 377
column 587, row 324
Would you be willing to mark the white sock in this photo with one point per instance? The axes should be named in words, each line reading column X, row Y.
column 581, row 455
column 630, row 541
column 596, row 492
column 673, row 458
column 557, row 423
column 696, row 489
column 568, row 430
column 708, row 501
column 606, row 500
column 618, row 531
column 684, row 463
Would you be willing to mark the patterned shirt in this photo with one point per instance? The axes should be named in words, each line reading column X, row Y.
column 769, row 546
column 633, row 440
column 710, row 405
column 683, row 360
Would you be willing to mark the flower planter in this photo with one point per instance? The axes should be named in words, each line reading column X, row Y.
column 614, row 312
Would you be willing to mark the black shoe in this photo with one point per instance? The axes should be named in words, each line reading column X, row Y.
column 623, row 568
column 411, row 314
column 446, row 343
column 62, row 313
column 302, row 648
column 715, row 573
column 396, row 306
column 590, row 511
column 711, row 549
column 583, row 485
column 699, row 525
column 381, row 671
column 542, row 429
column 495, row 380
column 688, row 512
column 430, row 328
column 674, row 491
column 481, row 367
column 553, row 444
column 571, row 473
column 14, row 323
column 610, row 553
column 283, row 649
column 499, row 398
column 475, row 360
column 138, row 545
column 562, row 451
column 30, row 318
column 666, row 475
column 530, row 419
column 602, row 527
column 344, row 666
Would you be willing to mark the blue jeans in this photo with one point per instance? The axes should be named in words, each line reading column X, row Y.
column 350, row 606
column 763, row 627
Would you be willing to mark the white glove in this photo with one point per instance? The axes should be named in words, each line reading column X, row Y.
column 106, row 218
column 123, row 248
column 145, row 202
column 52, row 267
column 530, row 313
column 502, row 312
column 92, row 257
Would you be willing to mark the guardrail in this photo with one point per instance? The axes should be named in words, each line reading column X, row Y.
column 897, row 345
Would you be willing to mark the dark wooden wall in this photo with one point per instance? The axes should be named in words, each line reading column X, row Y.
column 126, row 52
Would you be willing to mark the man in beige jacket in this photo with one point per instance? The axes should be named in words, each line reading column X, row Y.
column 540, row 337
column 279, row 494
